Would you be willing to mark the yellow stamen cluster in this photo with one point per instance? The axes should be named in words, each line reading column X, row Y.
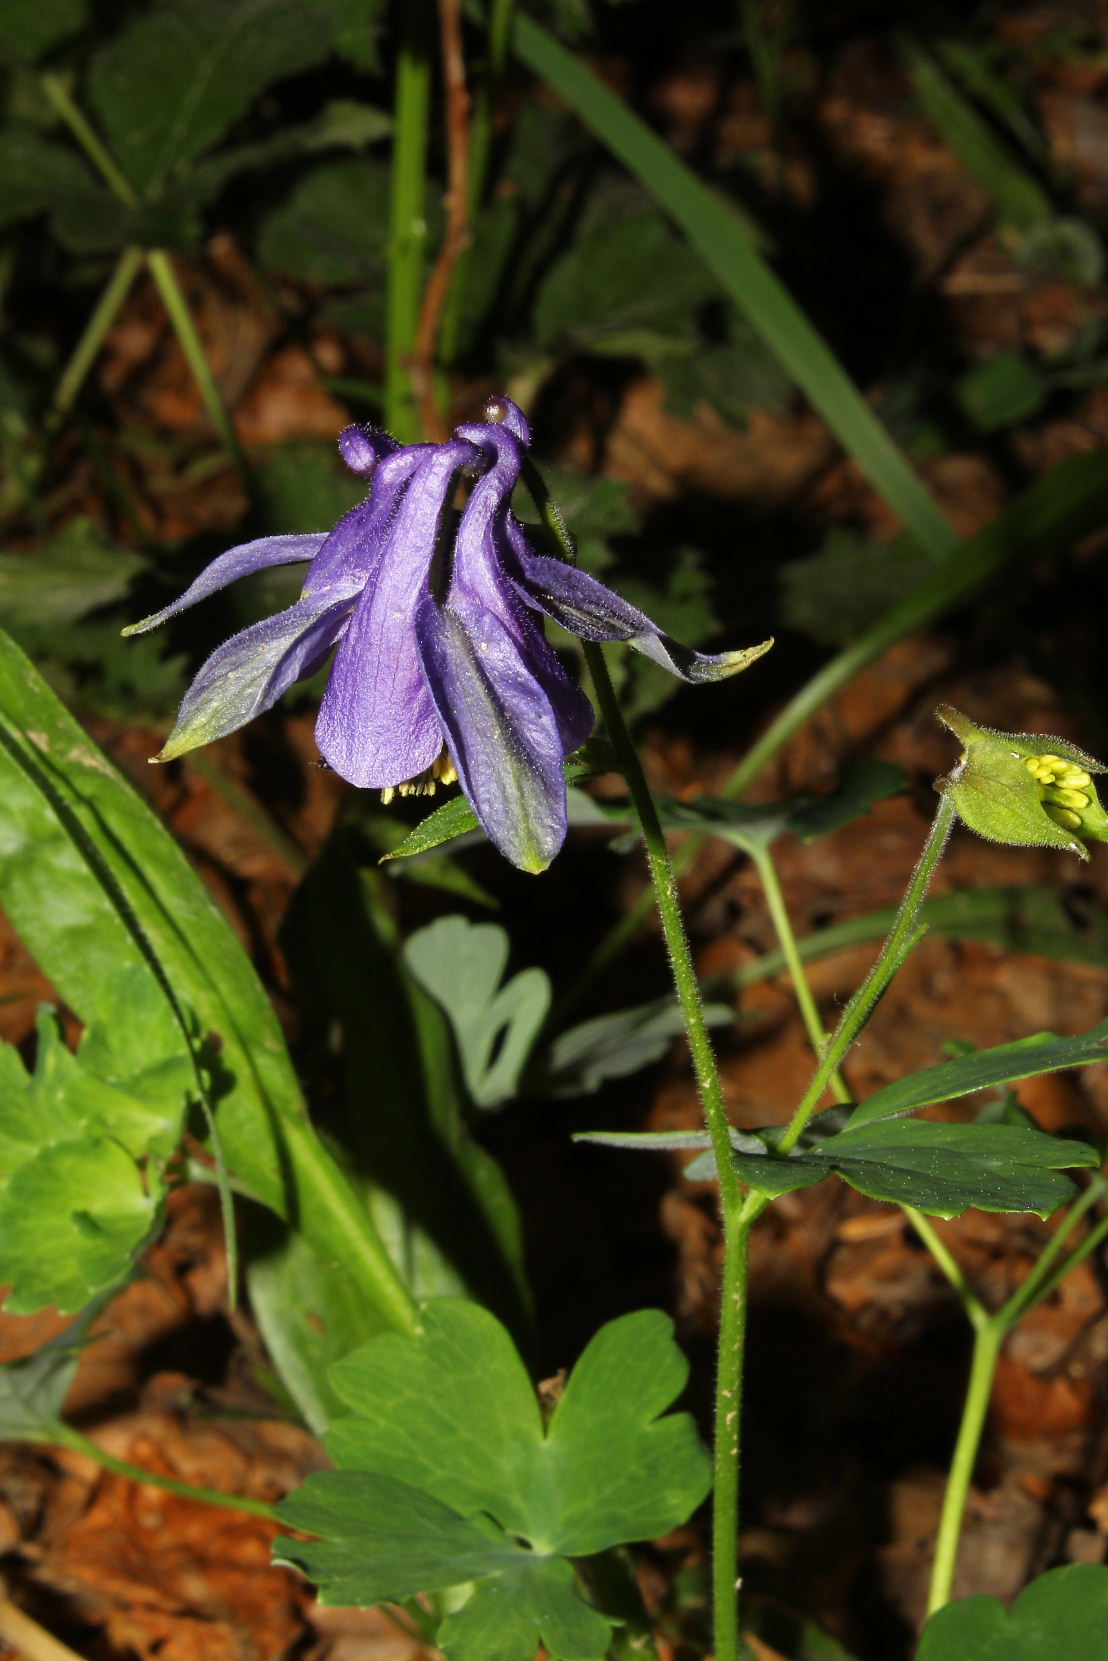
column 441, row 771
column 1063, row 788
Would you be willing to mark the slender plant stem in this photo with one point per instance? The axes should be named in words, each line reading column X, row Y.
column 987, row 1342
column 673, row 929
column 65, row 1436
column 106, row 311
column 786, row 939
column 161, row 269
column 948, row 1263
column 733, row 1299
column 1019, row 1306
column 727, row 1442
column 738, row 1211
column 902, row 937
column 89, row 140
column 1031, row 1291
column 407, row 218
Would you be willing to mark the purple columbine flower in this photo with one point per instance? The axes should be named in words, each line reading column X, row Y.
column 442, row 667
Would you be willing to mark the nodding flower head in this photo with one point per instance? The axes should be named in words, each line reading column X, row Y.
column 1026, row 789
column 441, row 666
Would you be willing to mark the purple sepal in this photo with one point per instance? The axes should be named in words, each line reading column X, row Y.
column 239, row 562
column 248, row 673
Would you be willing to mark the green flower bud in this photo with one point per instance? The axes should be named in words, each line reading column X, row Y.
column 1024, row 788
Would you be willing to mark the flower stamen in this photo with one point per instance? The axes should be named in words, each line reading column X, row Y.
column 441, row 771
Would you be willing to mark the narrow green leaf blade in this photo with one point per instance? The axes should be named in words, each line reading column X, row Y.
column 1018, row 197
column 453, row 819
column 1042, row 1052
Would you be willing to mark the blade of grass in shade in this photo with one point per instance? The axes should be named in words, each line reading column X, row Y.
column 1016, row 194
column 724, row 242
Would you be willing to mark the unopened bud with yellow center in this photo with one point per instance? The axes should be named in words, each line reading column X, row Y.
column 1024, row 788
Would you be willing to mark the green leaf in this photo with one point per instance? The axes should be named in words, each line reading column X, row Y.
column 1042, row 1052
column 174, row 79
column 342, row 124
column 1060, row 1615
column 595, row 299
column 749, row 825
column 1018, row 197
column 453, row 819
column 36, row 175
column 940, row 1168
column 29, row 29
column 333, row 228
column 461, row 964
column 394, row 1541
column 715, row 230
column 73, row 1219
column 733, row 376
column 75, row 1208
column 355, row 25
column 946, row 1169
column 844, row 588
column 454, row 1412
column 94, row 883
column 862, row 785
column 74, row 573
column 448, row 1458
column 1002, row 392
column 613, row 1046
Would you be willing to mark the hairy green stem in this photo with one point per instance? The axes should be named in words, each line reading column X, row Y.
column 738, row 1213
column 161, row 269
column 407, row 218
column 65, row 1436
column 84, row 355
column 786, row 939
column 733, row 1298
column 902, row 937
column 948, row 1263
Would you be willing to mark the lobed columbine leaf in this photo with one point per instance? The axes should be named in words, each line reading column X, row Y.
column 448, row 1476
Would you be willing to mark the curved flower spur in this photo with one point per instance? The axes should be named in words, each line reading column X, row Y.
column 442, row 665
